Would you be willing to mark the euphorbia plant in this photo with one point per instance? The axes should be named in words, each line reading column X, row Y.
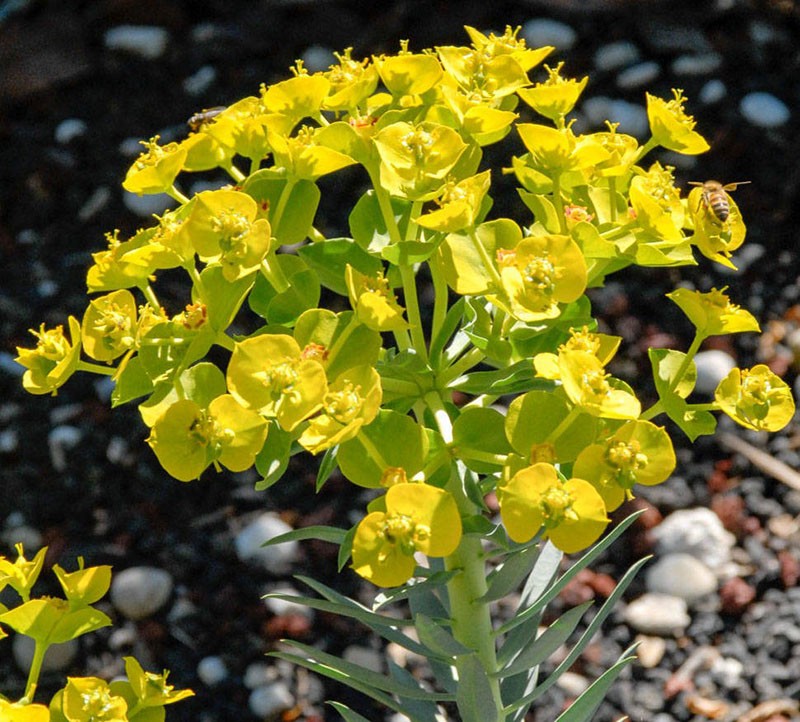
column 497, row 388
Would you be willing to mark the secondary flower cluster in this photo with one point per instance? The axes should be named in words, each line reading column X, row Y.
column 373, row 386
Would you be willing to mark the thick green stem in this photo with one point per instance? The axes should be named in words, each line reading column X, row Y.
column 271, row 270
column 412, row 307
column 472, row 358
column 558, row 202
column 440, row 297
column 276, row 215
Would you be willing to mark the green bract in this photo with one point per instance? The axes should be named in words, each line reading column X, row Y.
column 433, row 348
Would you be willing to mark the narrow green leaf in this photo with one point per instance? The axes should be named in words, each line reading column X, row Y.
column 541, row 647
column 448, row 328
column 582, row 563
column 436, row 638
column 509, row 575
column 417, row 710
column 514, row 379
column 273, row 459
column 374, row 680
column 332, row 534
column 327, row 466
column 474, row 697
column 348, row 715
column 583, row 708
column 416, row 589
column 585, row 638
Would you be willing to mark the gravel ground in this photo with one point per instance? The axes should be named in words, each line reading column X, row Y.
column 77, row 91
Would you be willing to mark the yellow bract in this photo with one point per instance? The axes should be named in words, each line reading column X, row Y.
column 756, row 398
column 54, row 359
column 540, row 273
column 418, row 518
column 155, row 170
column 109, row 326
column 459, row 204
column 14, row 712
column 671, row 127
column 712, row 313
column 556, row 96
column 595, row 392
column 373, row 301
column 570, row 513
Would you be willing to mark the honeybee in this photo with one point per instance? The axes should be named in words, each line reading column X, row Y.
column 715, row 197
column 204, row 116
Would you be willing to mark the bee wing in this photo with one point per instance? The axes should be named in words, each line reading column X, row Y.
column 733, row 186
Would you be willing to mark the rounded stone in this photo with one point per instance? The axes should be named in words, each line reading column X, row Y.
column 249, row 543
column 681, row 575
column 139, row 592
column 764, row 110
column 712, row 366
column 146, row 41
column 268, row 701
column 698, row 532
column 212, row 670
column 57, row 658
column 660, row 614
column 543, row 31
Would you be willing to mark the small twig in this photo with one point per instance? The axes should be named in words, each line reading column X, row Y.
column 764, row 461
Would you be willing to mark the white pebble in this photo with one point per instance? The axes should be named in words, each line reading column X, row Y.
column 762, row 33
column 616, row 55
column 638, row 75
column 9, row 366
column 138, row 592
column 268, row 701
column 104, row 387
column 573, row 684
column 28, row 536
column 9, row 412
column 282, row 606
column 698, row 532
column 365, row 657
column 764, row 110
column 691, row 64
column 712, row 366
column 657, row 614
column 60, row 440
column 200, row 81
column 118, row 451
column 64, row 413
column 57, row 658
column 146, row 41
column 277, row 559
column 650, row 650
column 94, row 203
column 728, row 671
column 9, row 441
column 681, row 575
column 318, row 58
column 632, row 118
column 258, row 674
column 146, row 206
column 70, row 129
column 212, row 670
column 131, row 147
column 712, row 92
column 123, row 637
column 543, row 31
column 47, row 288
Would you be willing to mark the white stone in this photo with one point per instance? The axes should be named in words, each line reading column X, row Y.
column 573, row 684
column 9, row 366
column 200, row 81
column 146, row 206
column 639, row 75
column 698, row 532
column 70, row 129
column 318, row 58
column 543, row 31
column 692, row 64
column 57, row 658
column 47, row 288
column 650, row 650
column 94, row 203
column 728, row 671
column 146, row 41
column 680, row 575
column 277, row 559
column 712, row 366
column 764, row 110
column 258, row 674
column 212, row 670
column 60, row 440
column 365, row 657
column 657, row 614
column 268, row 701
column 138, row 592
column 616, row 55
column 28, row 536
column 283, row 606
column 9, row 441
column 632, row 118
column 712, row 92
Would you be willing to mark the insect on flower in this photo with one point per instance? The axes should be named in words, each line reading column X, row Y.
column 198, row 120
column 715, row 197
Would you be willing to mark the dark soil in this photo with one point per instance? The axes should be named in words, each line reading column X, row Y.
column 112, row 503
